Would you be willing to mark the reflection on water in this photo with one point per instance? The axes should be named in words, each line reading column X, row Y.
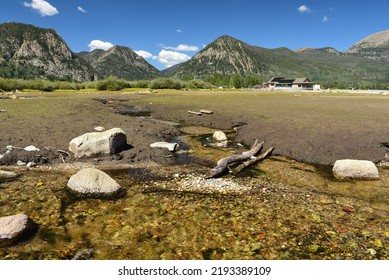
column 293, row 210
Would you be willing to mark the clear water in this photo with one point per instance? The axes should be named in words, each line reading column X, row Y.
column 293, row 210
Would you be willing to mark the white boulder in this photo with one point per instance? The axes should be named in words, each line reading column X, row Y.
column 170, row 146
column 90, row 182
column 355, row 169
column 219, row 136
column 98, row 143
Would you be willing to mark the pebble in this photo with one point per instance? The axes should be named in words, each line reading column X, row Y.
column 348, row 208
column 20, row 163
column 196, row 183
column 99, row 128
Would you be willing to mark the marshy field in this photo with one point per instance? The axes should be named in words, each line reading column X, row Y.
column 289, row 206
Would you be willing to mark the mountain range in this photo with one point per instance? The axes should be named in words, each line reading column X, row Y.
column 30, row 52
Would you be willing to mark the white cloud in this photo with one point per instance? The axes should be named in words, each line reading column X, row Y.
column 97, row 44
column 146, row 54
column 43, row 7
column 325, row 19
column 170, row 58
column 304, row 9
column 179, row 31
column 183, row 48
column 81, row 10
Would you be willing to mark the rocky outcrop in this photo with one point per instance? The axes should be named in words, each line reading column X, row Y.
column 98, row 143
column 92, row 182
column 374, row 46
column 38, row 53
column 14, row 228
column 355, row 169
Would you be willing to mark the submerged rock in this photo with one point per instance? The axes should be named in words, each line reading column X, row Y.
column 98, row 143
column 355, row 169
column 6, row 175
column 85, row 254
column 92, row 182
column 14, row 228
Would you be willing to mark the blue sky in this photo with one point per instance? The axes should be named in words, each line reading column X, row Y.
column 167, row 32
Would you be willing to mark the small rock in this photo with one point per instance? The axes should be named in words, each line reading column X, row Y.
column 92, row 182
column 220, row 144
column 219, row 136
column 9, row 147
column 15, row 227
column 99, row 128
column 7, row 174
column 31, row 164
column 20, row 163
column 348, row 208
column 355, row 169
column 85, row 254
column 326, row 201
column 371, row 251
column 31, row 148
column 170, row 146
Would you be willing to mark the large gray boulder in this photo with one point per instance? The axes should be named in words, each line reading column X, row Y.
column 355, row 169
column 14, row 228
column 90, row 182
column 98, row 143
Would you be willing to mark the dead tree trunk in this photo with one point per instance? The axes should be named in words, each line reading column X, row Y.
column 222, row 164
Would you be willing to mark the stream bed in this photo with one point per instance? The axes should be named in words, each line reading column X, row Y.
column 279, row 209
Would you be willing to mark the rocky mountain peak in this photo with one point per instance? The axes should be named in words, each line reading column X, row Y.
column 376, row 40
column 374, row 46
column 121, row 62
column 38, row 52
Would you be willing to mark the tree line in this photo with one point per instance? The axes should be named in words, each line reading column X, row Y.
column 115, row 84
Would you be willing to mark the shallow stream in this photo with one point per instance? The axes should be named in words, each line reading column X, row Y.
column 283, row 209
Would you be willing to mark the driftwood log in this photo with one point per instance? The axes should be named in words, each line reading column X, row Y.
column 223, row 164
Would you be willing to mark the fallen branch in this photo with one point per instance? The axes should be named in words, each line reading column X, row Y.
column 195, row 113
column 222, row 164
column 254, row 160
